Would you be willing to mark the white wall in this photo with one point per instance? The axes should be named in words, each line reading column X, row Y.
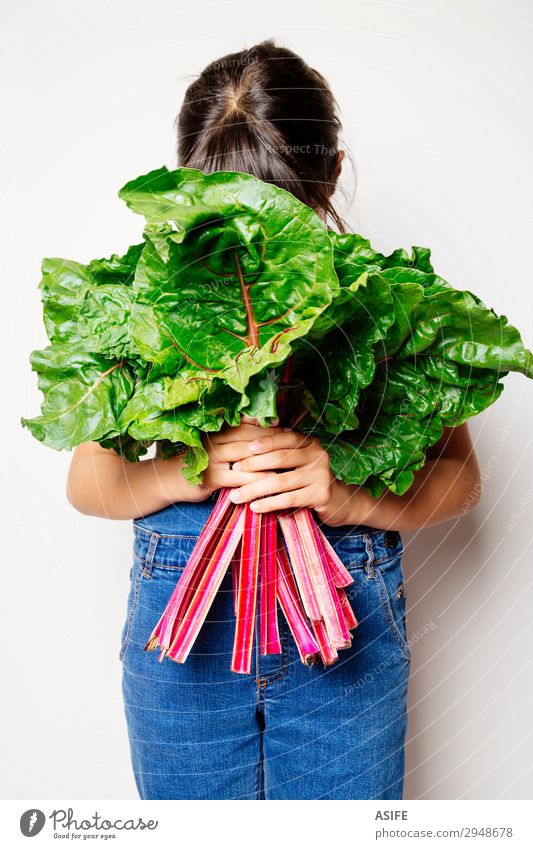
column 437, row 111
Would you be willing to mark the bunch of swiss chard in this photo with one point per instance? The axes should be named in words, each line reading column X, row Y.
column 239, row 300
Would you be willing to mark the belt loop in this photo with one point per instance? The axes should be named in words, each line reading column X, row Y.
column 369, row 546
column 152, row 545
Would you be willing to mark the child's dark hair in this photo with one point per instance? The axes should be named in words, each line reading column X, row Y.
column 265, row 112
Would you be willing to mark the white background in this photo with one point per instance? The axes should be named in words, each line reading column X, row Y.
column 436, row 103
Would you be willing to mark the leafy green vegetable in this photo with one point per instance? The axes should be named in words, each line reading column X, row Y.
column 84, row 395
column 232, row 271
column 239, row 296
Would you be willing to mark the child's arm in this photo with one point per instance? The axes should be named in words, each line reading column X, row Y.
column 445, row 488
column 101, row 483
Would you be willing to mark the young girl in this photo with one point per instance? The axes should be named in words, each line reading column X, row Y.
column 197, row 730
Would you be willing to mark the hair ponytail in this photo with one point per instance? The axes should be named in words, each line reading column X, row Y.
column 265, row 112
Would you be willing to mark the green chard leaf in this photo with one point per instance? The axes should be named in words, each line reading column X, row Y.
column 84, row 396
column 91, row 304
column 240, row 300
column 436, row 359
column 232, row 272
column 337, row 367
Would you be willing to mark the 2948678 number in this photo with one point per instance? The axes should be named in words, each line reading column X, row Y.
column 499, row 831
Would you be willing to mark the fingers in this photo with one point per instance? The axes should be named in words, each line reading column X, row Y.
column 243, row 432
column 290, row 500
column 286, row 501
column 269, row 484
column 229, row 452
column 281, row 459
column 226, row 477
column 281, row 438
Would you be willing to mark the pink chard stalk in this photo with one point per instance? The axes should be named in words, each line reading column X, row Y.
column 247, row 592
column 268, row 617
column 207, row 587
column 299, row 569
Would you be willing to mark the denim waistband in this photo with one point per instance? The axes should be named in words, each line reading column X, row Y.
column 186, row 520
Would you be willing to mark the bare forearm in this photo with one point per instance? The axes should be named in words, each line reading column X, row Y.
column 443, row 489
column 101, row 485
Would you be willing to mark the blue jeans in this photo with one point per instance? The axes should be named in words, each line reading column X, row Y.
column 199, row 731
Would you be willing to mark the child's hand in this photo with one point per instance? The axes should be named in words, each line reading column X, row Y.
column 225, row 448
column 309, row 483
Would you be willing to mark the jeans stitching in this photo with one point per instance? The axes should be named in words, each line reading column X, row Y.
column 258, row 780
column 149, row 559
column 133, row 609
column 388, row 557
column 284, row 667
column 264, row 679
column 369, row 549
column 357, row 564
column 393, row 625
column 148, row 531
